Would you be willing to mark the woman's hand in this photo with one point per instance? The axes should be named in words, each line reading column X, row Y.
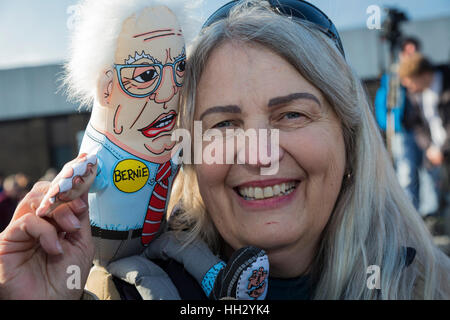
column 40, row 258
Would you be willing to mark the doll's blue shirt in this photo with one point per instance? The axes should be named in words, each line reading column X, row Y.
column 116, row 200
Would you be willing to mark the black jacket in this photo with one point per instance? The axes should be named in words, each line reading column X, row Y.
column 187, row 286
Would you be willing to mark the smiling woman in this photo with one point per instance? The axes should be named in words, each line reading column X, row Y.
column 330, row 213
column 334, row 207
column 311, row 157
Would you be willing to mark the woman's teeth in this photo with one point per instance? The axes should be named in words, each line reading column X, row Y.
column 257, row 193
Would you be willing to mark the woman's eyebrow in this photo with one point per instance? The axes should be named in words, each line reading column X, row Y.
column 221, row 109
column 291, row 97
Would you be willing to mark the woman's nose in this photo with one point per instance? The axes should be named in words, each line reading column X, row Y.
column 260, row 148
column 167, row 88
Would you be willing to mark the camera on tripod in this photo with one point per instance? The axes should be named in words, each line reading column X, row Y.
column 392, row 33
column 391, row 28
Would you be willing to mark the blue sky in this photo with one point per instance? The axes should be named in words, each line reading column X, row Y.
column 36, row 32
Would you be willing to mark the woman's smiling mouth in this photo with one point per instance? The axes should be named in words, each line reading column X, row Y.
column 165, row 122
column 266, row 194
column 258, row 193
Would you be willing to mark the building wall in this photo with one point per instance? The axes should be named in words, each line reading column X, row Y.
column 33, row 145
column 33, row 92
column 38, row 125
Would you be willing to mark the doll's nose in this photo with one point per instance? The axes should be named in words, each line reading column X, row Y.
column 167, row 88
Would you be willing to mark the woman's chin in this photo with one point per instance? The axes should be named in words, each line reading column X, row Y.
column 273, row 235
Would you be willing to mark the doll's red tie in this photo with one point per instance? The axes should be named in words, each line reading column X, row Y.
column 157, row 204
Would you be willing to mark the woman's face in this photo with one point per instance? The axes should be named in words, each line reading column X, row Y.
column 256, row 89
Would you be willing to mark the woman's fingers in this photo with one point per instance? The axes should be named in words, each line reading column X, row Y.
column 70, row 217
column 31, row 228
column 65, row 217
column 32, row 200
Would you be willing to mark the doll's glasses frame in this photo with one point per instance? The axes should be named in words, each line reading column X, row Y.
column 158, row 66
column 295, row 9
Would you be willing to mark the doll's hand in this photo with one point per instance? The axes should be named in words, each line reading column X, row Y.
column 244, row 277
column 74, row 180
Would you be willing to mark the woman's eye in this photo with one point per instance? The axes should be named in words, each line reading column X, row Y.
column 146, row 76
column 292, row 115
column 223, row 124
column 292, row 119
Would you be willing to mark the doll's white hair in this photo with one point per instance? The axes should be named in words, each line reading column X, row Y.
column 94, row 39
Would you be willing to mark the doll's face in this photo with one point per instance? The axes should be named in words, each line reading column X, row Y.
column 146, row 81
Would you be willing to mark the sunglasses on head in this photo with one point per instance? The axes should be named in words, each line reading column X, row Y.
column 297, row 9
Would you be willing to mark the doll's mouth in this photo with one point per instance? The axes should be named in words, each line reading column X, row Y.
column 165, row 122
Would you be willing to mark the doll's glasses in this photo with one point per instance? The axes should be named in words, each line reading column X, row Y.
column 295, row 9
column 142, row 80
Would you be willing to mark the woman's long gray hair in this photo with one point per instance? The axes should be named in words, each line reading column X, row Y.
column 373, row 221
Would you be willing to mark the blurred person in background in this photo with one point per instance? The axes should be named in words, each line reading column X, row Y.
column 14, row 189
column 5, row 205
column 23, row 184
column 49, row 175
column 8, row 200
column 429, row 91
column 407, row 156
column 409, row 46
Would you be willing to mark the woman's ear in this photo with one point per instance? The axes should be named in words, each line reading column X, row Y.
column 104, row 87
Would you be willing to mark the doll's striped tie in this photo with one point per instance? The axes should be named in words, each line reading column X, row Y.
column 157, row 204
